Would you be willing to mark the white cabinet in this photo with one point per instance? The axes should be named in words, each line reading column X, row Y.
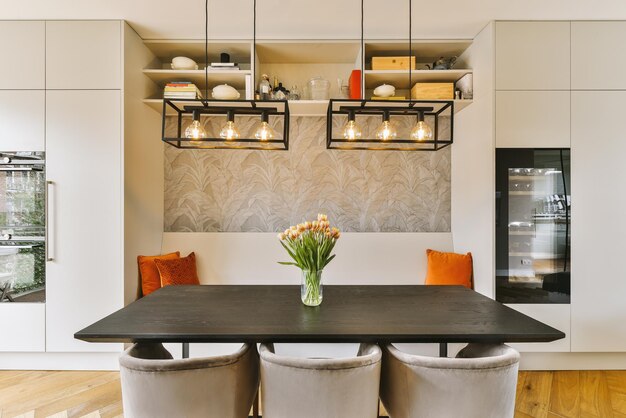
column 22, row 48
column 83, row 55
column 598, row 221
column 84, row 162
column 533, row 119
column 598, row 55
column 23, row 327
column 532, row 55
column 22, row 120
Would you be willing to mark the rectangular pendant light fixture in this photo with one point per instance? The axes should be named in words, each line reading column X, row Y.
column 184, row 127
column 389, row 125
column 423, row 132
column 192, row 128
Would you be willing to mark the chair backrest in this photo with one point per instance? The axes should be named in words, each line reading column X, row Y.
column 154, row 385
column 317, row 387
column 479, row 383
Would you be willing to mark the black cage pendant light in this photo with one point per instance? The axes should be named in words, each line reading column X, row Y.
column 183, row 127
column 346, row 119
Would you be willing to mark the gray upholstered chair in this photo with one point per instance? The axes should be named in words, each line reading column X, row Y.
column 315, row 387
column 479, row 383
column 154, row 385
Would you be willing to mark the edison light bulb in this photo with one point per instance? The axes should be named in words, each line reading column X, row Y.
column 386, row 131
column 229, row 131
column 421, row 132
column 264, row 132
column 195, row 130
column 351, row 130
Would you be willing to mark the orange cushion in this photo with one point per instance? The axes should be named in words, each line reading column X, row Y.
column 178, row 271
column 449, row 268
column 148, row 272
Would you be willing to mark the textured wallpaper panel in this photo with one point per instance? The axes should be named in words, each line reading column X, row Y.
column 266, row 191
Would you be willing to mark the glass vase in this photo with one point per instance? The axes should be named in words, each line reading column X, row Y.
column 311, row 290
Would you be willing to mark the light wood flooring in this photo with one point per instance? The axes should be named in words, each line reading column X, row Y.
column 569, row 394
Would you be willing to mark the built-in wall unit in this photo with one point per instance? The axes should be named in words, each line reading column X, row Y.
column 557, row 140
column 530, row 185
column 62, row 140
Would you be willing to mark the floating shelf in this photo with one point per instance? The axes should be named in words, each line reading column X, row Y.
column 235, row 78
column 400, row 78
column 298, row 107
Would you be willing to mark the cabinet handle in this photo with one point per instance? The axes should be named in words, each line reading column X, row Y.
column 50, row 220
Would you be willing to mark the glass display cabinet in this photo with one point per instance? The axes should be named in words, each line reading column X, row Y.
column 533, row 217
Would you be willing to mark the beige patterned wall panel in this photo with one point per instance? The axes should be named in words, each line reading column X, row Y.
column 266, row 191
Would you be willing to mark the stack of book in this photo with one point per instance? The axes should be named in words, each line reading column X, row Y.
column 181, row 90
column 224, row 66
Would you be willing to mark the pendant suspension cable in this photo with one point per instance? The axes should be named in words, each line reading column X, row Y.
column 362, row 52
column 410, row 48
column 206, row 51
column 253, row 58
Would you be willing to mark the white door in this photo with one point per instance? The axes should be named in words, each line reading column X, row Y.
column 22, row 119
column 84, row 163
column 598, row 55
column 532, row 119
column 23, row 327
column 598, row 221
column 23, row 52
column 532, row 55
column 83, row 54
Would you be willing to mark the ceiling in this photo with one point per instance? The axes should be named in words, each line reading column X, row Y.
column 320, row 19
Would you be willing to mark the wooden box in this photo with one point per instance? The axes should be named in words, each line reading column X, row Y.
column 433, row 91
column 393, row 63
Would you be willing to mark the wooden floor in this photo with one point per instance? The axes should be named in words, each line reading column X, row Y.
column 569, row 394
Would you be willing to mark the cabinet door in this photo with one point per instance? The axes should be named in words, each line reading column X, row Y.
column 23, row 52
column 22, row 119
column 532, row 55
column 84, row 279
column 598, row 55
column 533, row 119
column 83, row 55
column 598, row 222
column 23, row 327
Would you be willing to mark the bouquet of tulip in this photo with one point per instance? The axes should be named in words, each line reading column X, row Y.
column 310, row 245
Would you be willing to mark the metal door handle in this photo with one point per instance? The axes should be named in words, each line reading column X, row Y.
column 50, row 220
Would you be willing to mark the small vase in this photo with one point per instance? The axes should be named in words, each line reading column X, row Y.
column 311, row 290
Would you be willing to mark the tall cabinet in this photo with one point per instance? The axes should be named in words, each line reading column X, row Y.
column 84, row 169
column 552, row 91
column 69, row 104
column 598, row 176
column 532, row 80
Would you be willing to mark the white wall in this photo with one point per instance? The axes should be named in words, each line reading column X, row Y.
column 143, row 163
column 473, row 170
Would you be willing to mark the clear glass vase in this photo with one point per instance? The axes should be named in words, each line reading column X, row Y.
column 311, row 290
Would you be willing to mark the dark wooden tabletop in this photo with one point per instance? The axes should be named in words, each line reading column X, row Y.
column 217, row 313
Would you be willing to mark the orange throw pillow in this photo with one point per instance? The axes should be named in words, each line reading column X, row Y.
column 178, row 271
column 148, row 272
column 449, row 269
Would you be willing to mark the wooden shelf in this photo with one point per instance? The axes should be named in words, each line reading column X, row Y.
column 165, row 50
column 235, row 78
column 308, row 52
column 425, row 50
column 400, row 78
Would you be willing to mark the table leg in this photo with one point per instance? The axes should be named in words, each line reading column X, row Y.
column 185, row 350
column 255, row 406
column 443, row 349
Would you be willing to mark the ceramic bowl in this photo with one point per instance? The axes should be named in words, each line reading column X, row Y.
column 225, row 92
column 384, row 90
column 183, row 63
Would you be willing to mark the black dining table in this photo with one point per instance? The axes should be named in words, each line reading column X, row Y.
column 348, row 314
